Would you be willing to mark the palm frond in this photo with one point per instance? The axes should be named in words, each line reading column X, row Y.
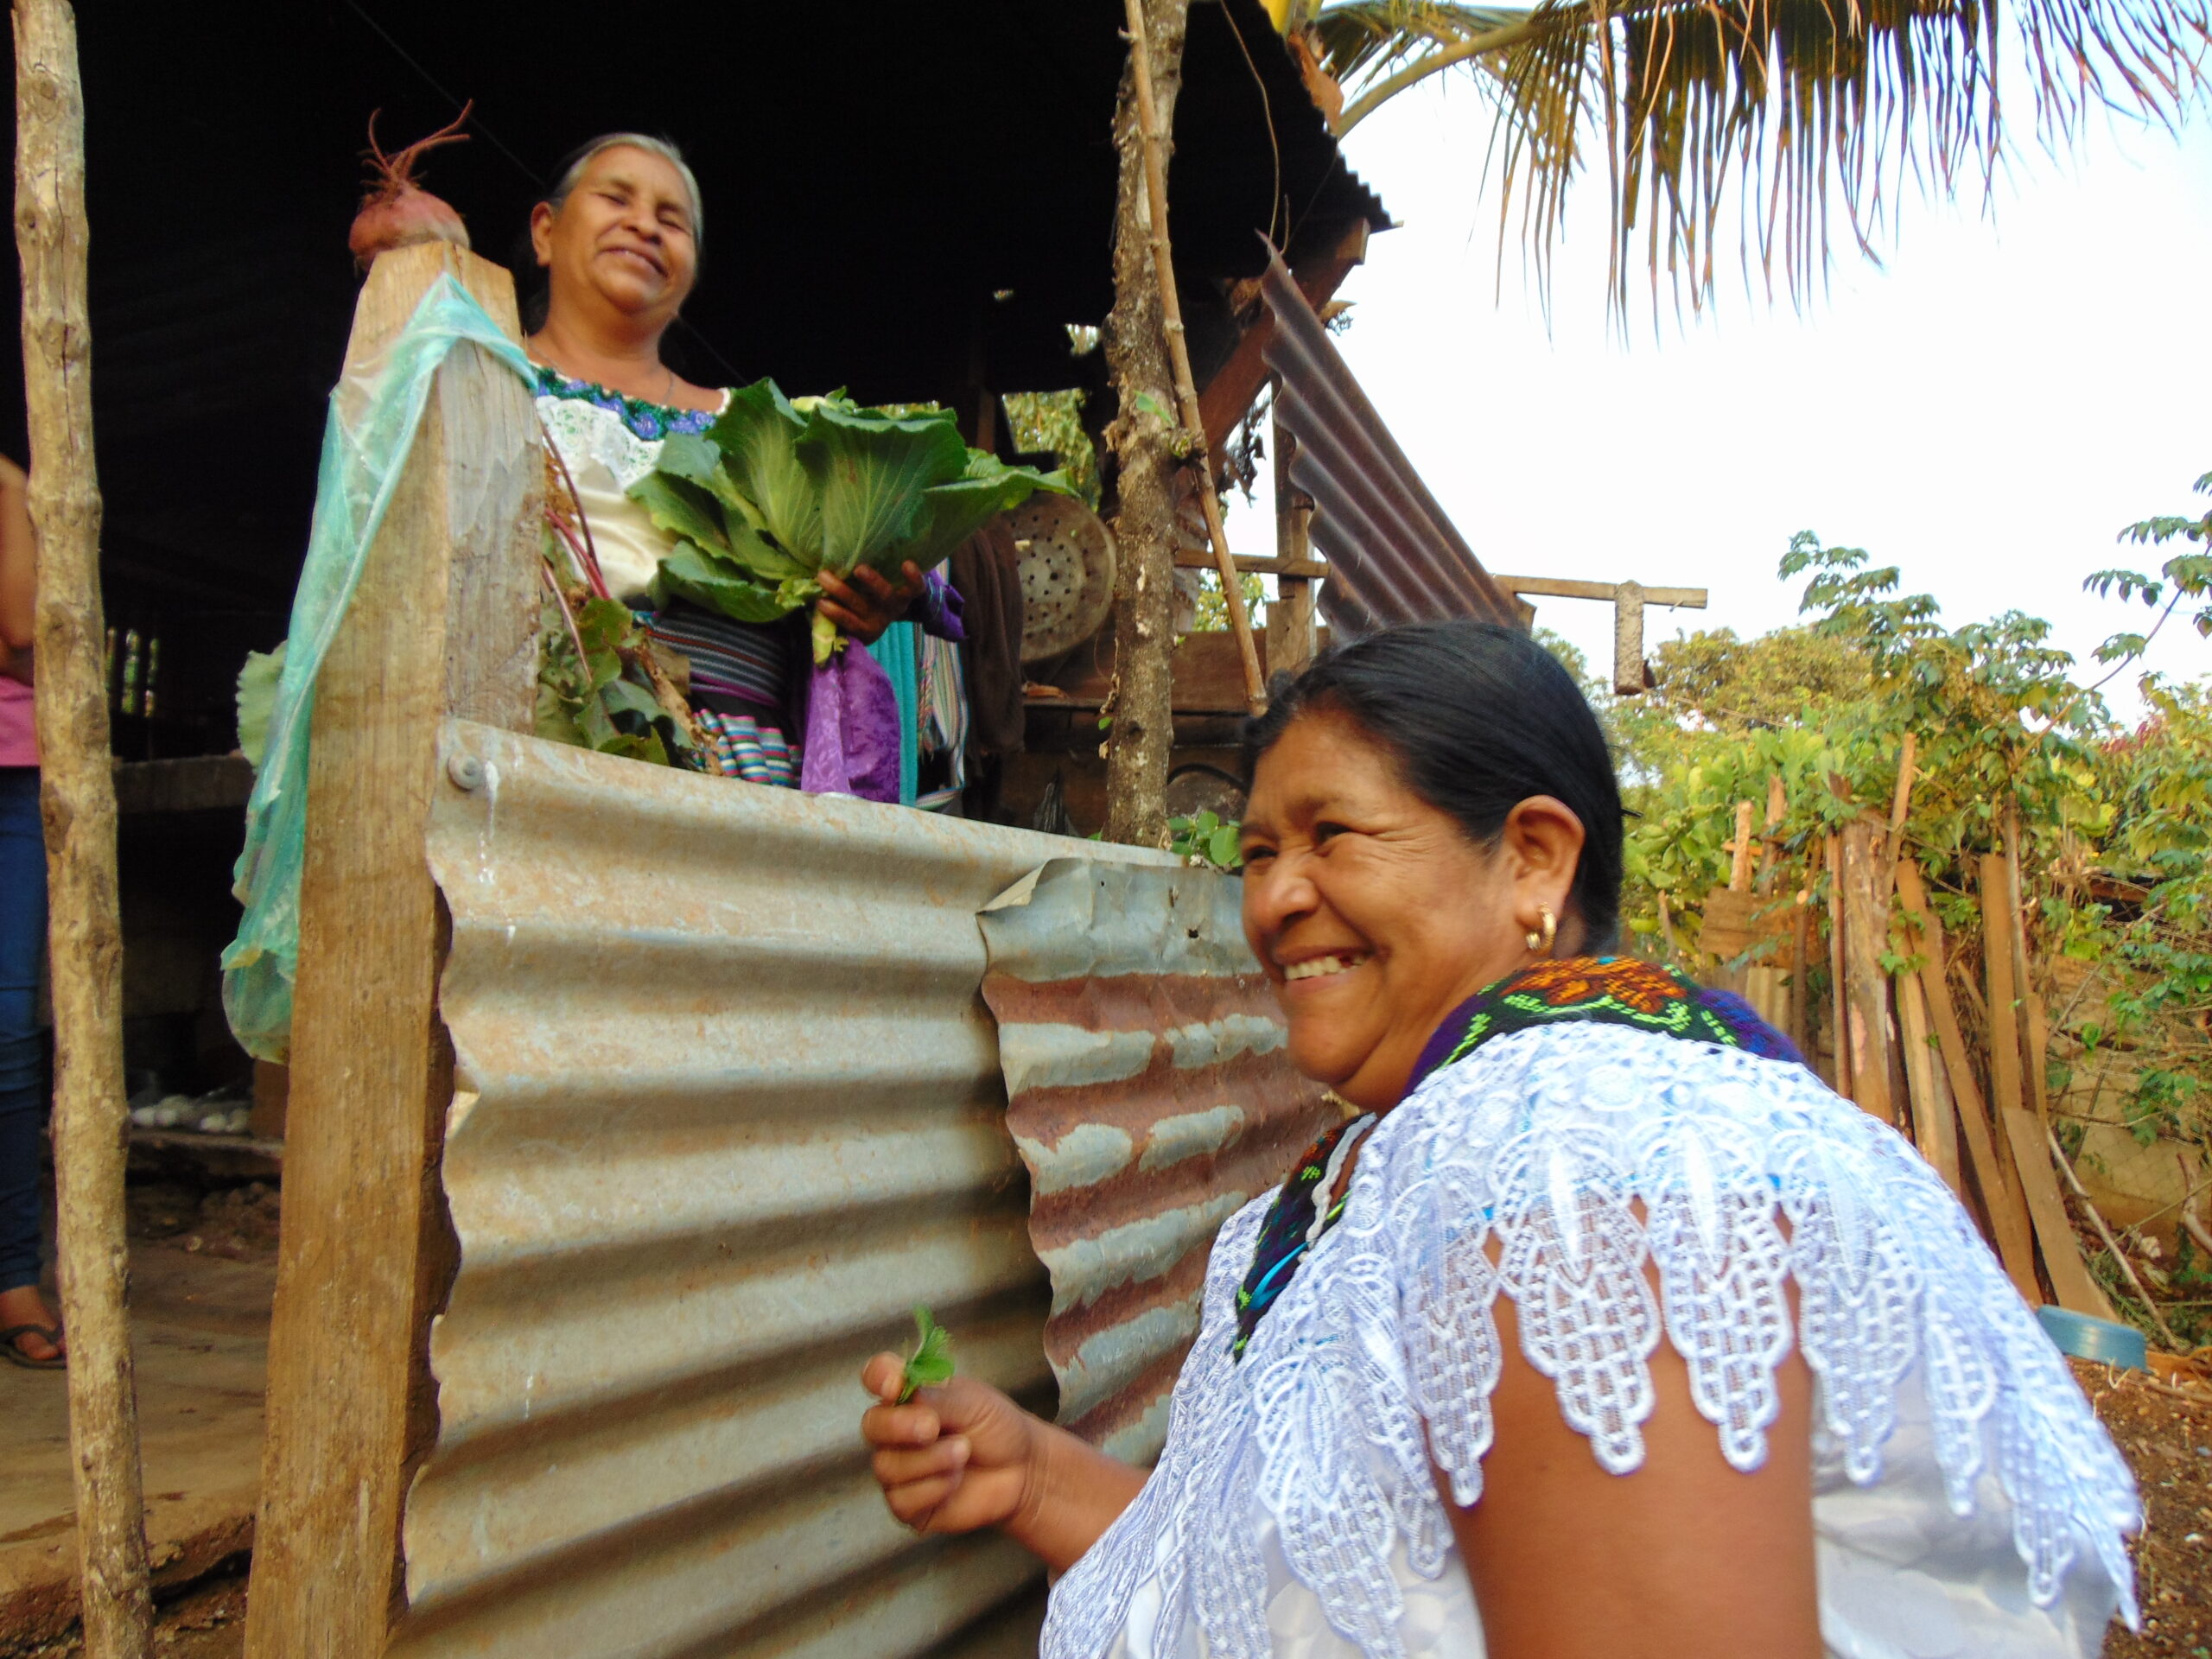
column 1793, row 118
column 1369, row 38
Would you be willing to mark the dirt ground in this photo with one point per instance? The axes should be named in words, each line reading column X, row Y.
column 2167, row 1440
column 206, row 1621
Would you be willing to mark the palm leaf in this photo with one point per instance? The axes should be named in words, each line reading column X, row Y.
column 1798, row 120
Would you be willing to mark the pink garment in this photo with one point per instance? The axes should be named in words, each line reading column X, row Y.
column 18, row 741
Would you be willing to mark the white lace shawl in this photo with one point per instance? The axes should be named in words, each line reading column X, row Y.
column 1750, row 1170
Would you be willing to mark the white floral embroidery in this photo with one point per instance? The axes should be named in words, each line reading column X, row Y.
column 586, row 433
column 1522, row 1170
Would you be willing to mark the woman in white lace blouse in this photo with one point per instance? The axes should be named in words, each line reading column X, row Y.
column 1606, row 1330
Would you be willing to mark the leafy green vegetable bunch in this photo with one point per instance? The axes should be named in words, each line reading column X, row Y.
column 778, row 490
column 584, row 695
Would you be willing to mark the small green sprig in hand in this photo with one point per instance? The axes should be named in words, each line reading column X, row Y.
column 931, row 1365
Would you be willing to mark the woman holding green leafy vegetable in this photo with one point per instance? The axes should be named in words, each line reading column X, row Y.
column 617, row 237
column 728, row 517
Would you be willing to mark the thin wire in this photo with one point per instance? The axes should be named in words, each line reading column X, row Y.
column 431, row 81
column 1275, row 204
column 690, row 332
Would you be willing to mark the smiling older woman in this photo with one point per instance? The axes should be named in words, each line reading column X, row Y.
column 617, row 237
column 1606, row 1329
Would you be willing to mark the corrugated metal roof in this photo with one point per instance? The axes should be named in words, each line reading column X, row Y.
column 1151, row 1096
column 1394, row 555
column 726, row 1105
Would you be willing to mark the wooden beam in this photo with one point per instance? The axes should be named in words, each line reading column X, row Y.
column 1304, row 569
column 1557, row 588
column 77, row 791
column 1230, row 393
column 2008, row 1217
column 444, row 621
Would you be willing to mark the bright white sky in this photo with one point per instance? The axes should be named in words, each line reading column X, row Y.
column 1987, row 409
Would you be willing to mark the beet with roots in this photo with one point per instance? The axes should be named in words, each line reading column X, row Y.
column 398, row 212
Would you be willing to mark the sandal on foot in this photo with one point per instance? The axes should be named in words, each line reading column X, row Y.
column 50, row 1334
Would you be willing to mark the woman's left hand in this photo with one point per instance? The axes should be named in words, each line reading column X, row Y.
column 868, row 602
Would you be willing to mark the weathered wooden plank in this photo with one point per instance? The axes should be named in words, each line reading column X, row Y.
column 1935, row 1119
column 1692, row 599
column 444, row 619
column 2002, row 948
column 2008, row 1217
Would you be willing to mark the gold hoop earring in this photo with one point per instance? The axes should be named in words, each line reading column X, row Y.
column 1541, row 940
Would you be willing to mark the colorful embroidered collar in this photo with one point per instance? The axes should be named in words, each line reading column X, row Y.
column 645, row 419
column 1612, row 991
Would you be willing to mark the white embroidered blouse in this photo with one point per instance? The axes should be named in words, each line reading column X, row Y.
column 1966, row 1501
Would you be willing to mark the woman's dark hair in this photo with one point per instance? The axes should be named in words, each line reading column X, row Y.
column 1480, row 717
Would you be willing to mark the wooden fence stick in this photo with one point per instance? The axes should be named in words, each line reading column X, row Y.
column 2070, row 1281
column 2008, row 1218
column 1866, row 882
column 84, row 940
column 1838, row 1042
column 1179, row 353
column 1900, row 802
column 1935, row 1120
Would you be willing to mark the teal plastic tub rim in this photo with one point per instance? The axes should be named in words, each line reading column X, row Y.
column 2084, row 1336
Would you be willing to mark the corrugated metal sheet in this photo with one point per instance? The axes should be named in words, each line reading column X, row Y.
column 1393, row 554
column 1151, row 1094
column 727, row 1103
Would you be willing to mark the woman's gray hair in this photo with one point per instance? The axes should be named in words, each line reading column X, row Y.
column 573, row 173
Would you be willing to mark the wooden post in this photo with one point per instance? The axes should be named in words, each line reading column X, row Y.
column 77, row 803
column 2000, row 1198
column 1145, row 470
column 1290, row 623
column 1867, row 986
column 1153, row 139
column 444, row 622
column 2061, row 1257
column 1628, row 638
column 1739, row 851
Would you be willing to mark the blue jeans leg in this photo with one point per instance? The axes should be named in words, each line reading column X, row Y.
column 22, row 1082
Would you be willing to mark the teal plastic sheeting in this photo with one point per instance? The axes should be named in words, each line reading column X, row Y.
column 895, row 650
column 374, row 414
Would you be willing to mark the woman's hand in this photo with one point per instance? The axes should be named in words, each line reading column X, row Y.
column 869, row 601
column 965, row 1456
column 950, row 1460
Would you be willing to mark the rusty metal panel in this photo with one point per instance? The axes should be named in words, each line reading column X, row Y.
column 726, row 1104
column 1394, row 555
column 1151, row 1094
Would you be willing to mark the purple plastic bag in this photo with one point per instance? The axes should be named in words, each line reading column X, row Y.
column 852, row 729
